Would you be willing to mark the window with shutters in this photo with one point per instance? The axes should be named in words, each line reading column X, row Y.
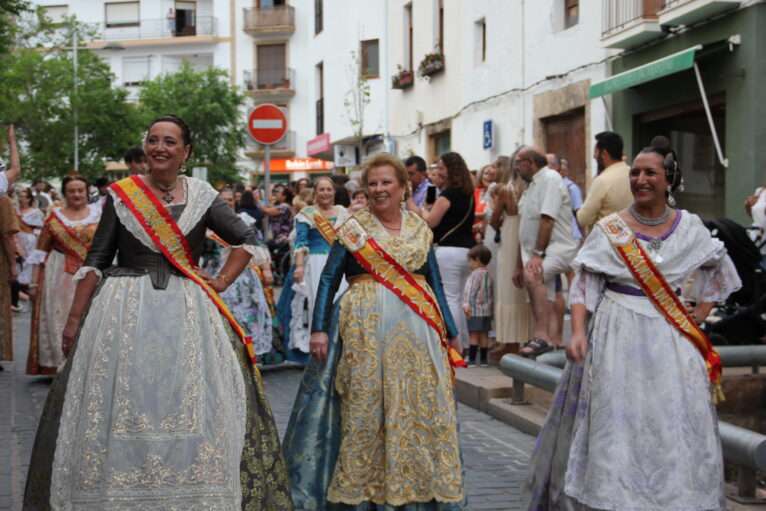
column 135, row 71
column 318, row 16
column 57, row 13
column 571, row 13
column 370, row 59
column 122, row 14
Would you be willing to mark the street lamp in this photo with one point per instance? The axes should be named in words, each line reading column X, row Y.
column 111, row 46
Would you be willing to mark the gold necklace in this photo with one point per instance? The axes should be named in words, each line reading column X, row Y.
column 167, row 196
column 392, row 228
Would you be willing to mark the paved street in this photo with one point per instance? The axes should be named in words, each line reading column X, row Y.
column 495, row 454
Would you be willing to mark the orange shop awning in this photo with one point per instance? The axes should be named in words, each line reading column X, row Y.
column 298, row 165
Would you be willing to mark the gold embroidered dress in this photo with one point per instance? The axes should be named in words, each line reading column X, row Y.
column 383, row 402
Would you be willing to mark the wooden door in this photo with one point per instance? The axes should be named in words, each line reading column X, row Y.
column 565, row 136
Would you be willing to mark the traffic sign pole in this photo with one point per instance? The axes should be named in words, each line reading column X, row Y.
column 267, row 183
column 267, row 125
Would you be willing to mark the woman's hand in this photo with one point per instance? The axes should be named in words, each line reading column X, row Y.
column 455, row 343
column 70, row 333
column 218, row 284
column 467, row 311
column 298, row 274
column 318, row 346
column 577, row 347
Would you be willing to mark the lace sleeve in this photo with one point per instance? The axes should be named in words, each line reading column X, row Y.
column 715, row 283
column 587, row 289
column 83, row 271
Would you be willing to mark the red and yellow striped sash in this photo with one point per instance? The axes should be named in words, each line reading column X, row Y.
column 167, row 236
column 325, row 228
column 70, row 243
column 659, row 292
column 387, row 271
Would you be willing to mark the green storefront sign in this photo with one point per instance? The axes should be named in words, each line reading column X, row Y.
column 648, row 72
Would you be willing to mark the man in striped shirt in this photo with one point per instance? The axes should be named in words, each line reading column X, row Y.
column 478, row 303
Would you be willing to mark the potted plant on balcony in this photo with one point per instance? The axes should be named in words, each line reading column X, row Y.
column 431, row 64
column 403, row 78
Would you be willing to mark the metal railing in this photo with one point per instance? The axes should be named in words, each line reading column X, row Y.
column 752, row 356
column 270, row 78
column 743, row 447
column 154, row 28
column 267, row 17
column 617, row 14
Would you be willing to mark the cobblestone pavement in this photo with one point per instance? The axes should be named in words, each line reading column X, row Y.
column 495, row 455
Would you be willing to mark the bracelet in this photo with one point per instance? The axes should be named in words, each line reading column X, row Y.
column 225, row 278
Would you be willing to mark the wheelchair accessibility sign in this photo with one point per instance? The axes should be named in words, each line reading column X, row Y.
column 487, row 136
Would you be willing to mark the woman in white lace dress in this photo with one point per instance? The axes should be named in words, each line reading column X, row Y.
column 632, row 425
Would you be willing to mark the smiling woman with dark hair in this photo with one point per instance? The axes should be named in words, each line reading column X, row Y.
column 158, row 405
column 451, row 220
column 632, row 425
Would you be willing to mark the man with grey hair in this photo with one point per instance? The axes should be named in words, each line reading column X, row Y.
column 546, row 245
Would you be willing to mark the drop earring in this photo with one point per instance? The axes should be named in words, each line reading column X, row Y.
column 182, row 169
column 671, row 199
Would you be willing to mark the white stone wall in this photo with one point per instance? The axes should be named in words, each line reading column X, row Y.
column 528, row 52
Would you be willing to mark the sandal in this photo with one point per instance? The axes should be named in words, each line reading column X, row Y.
column 535, row 348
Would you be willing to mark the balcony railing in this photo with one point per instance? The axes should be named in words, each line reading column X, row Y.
column 619, row 14
column 320, row 116
column 270, row 19
column 266, row 79
column 155, row 28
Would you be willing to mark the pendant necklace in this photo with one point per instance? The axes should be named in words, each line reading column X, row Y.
column 655, row 244
column 167, row 196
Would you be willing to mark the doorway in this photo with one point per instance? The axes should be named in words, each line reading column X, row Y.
column 565, row 136
column 186, row 18
column 687, row 128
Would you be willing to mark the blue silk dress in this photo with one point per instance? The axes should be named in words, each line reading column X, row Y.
column 375, row 427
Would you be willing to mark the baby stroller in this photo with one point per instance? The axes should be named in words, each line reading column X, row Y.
column 742, row 321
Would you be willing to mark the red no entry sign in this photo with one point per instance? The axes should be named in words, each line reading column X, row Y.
column 267, row 124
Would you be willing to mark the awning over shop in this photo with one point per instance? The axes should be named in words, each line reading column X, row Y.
column 665, row 66
column 298, row 165
column 657, row 69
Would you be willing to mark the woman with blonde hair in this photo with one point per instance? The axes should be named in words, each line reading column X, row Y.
column 513, row 315
column 374, row 422
column 314, row 235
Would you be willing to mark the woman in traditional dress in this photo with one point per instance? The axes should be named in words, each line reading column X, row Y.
column 374, row 422
column 31, row 221
column 313, row 238
column 633, row 424
column 61, row 248
column 9, row 226
column 158, row 406
column 513, row 315
column 246, row 297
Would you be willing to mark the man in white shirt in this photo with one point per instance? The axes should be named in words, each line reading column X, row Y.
column 546, row 244
column 9, row 176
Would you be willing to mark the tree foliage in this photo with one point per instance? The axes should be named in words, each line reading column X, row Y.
column 37, row 81
column 9, row 10
column 212, row 108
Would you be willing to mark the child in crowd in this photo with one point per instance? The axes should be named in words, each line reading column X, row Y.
column 478, row 303
column 359, row 201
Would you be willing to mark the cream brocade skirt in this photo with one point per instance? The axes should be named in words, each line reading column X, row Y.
column 399, row 440
column 513, row 315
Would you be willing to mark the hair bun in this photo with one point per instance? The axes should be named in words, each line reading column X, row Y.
column 660, row 142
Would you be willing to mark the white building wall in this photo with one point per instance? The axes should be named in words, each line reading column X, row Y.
column 528, row 52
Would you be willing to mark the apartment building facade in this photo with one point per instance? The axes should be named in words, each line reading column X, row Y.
column 511, row 73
